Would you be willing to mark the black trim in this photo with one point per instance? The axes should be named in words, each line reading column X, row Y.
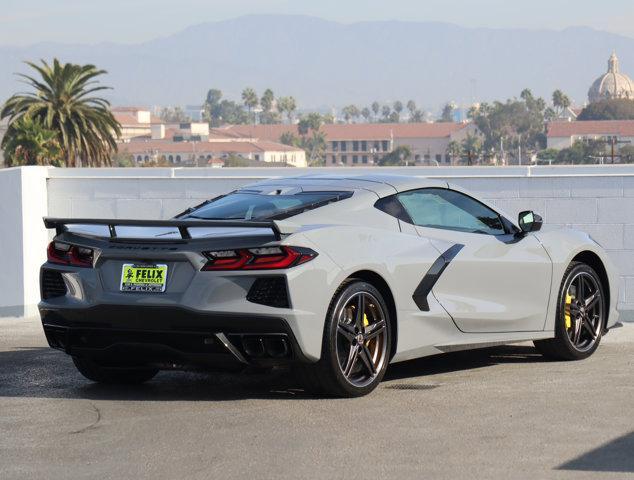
column 61, row 224
column 433, row 274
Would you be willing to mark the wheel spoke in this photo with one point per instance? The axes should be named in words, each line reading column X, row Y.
column 346, row 330
column 358, row 320
column 577, row 336
column 592, row 300
column 374, row 330
column 585, row 323
column 366, row 357
column 352, row 358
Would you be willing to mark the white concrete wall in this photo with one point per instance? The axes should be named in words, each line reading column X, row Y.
column 599, row 200
column 22, row 240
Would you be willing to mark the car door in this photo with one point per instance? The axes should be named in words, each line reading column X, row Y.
column 493, row 279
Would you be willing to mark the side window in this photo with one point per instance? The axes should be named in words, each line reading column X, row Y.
column 451, row 210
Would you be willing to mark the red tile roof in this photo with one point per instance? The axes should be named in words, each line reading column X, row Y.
column 354, row 131
column 624, row 128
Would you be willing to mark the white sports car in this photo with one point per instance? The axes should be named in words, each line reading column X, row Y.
column 335, row 276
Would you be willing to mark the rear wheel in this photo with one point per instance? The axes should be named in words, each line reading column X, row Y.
column 581, row 314
column 127, row 376
column 356, row 344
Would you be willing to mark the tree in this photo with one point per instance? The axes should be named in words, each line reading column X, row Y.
column 366, row 114
column 417, row 116
column 560, row 101
column 454, row 150
column 28, row 142
column 268, row 116
column 398, row 108
column 350, row 112
column 411, row 107
column 289, row 138
column 287, row 105
column 386, row 110
column 250, row 100
column 267, row 100
column 174, row 115
column 63, row 102
column 626, row 153
column 472, row 147
column 376, row 108
column 447, row 113
column 312, row 121
column 509, row 125
column 582, row 152
column 612, row 109
column 315, row 148
column 397, row 157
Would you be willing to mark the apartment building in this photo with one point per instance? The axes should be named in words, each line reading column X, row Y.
column 564, row 134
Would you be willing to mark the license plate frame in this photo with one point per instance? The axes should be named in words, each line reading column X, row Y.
column 134, row 280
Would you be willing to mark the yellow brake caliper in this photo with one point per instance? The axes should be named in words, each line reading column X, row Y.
column 366, row 322
column 567, row 317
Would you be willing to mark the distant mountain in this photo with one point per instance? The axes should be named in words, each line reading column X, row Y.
column 324, row 63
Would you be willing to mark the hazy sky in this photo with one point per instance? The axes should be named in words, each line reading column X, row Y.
column 90, row 21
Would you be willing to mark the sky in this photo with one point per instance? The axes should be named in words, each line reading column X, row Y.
column 132, row 21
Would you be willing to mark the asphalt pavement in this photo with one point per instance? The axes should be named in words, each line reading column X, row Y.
column 500, row 412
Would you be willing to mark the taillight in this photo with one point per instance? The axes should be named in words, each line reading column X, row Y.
column 267, row 258
column 65, row 254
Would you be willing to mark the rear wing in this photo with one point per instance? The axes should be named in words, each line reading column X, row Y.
column 279, row 228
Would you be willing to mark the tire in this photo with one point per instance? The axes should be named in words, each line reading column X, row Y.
column 589, row 322
column 124, row 376
column 369, row 334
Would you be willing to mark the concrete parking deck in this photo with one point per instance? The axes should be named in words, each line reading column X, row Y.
column 500, row 412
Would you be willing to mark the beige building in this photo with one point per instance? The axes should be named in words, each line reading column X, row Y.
column 612, row 84
column 211, row 153
column 564, row 134
column 135, row 122
column 364, row 144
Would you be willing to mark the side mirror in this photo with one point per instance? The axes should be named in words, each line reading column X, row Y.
column 529, row 221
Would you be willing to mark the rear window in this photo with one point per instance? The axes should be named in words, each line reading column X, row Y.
column 258, row 206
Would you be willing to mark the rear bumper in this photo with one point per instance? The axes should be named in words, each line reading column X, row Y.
column 170, row 337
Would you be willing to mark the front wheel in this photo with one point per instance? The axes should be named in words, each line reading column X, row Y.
column 581, row 315
column 126, row 376
column 356, row 343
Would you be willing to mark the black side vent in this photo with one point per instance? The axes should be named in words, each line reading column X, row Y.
column 269, row 291
column 52, row 284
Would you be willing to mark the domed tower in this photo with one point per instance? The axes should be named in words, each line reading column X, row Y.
column 612, row 84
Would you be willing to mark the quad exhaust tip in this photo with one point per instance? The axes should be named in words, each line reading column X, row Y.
column 266, row 346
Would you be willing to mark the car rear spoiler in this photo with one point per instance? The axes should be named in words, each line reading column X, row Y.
column 279, row 228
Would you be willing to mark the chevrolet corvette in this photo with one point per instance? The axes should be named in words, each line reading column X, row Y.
column 333, row 276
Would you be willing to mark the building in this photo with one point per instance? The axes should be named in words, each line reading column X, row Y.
column 365, row 144
column 564, row 134
column 207, row 153
column 612, row 84
column 135, row 122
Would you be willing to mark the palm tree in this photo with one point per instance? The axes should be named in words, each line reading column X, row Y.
column 398, row 108
column 411, row 106
column 288, row 105
column 376, row 108
column 454, row 150
column 268, row 97
column 366, row 114
column 63, row 103
column 472, row 146
column 27, row 142
column 385, row 111
column 560, row 101
column 250, row 100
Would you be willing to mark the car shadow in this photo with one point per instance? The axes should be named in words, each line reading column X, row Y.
column 614, row 456
column 42, row 372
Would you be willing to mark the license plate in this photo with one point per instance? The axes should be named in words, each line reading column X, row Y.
column 143, row 278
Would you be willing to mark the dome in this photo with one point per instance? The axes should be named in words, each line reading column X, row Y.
column 612, row 84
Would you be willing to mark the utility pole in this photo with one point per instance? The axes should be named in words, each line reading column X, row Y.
column 613, row 143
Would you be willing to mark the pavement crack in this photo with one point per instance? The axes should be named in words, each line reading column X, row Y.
column 94, row 424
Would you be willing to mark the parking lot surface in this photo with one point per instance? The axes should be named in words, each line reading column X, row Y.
column 499, row 412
